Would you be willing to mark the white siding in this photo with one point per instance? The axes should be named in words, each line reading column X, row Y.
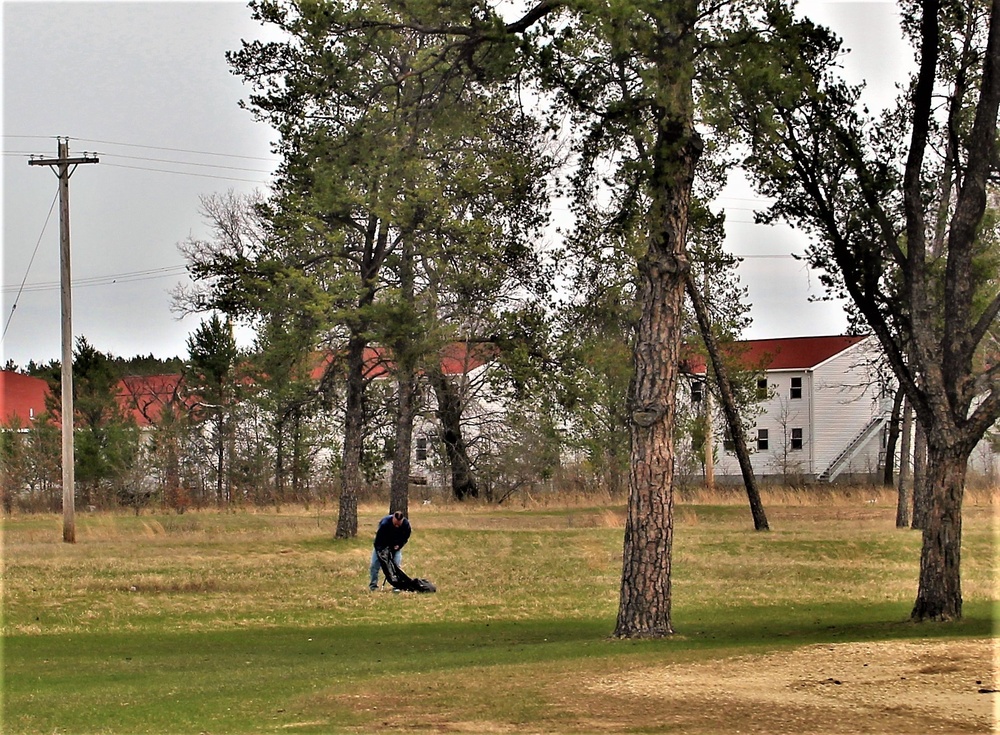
column 840, row 397
column 848, row 396
column 780, row 415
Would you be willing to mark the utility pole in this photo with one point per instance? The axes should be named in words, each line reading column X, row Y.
column 64, row 166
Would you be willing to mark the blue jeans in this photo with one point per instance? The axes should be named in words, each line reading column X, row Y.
column 373, row 570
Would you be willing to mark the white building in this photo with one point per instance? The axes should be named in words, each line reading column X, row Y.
column 823, row 411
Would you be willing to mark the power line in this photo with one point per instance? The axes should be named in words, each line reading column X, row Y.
column 155, row 169
column 168, row 171
column 186, row 173
column 184, row 163
column 177, row 150
column 149, row 147
column 27, row 270
column 107, row 280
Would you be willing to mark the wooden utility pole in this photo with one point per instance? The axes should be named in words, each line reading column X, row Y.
column 64, row 166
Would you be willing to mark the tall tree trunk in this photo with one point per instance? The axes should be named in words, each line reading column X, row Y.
column 230, row 460
column 375, row 250
column 892, row 439
column 298, row 470
column 939, row 594
column 729, row 407
column 921, row 485
column 403, row 347
column 172, row 472
column 709, row 448
column 399, row 483
column 449, row 413
column 951, row 432
column 220, row 461
column 279, row 458
column 354, row 419
column 903, row 493
column 644, row 605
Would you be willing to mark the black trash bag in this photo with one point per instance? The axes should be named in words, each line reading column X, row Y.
column 397, row 578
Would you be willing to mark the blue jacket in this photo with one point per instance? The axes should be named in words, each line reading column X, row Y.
column 389, row 537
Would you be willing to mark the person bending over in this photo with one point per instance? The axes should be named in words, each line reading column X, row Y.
column 393, row 533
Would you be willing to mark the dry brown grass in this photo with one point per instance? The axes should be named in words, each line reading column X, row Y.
column 514, row 641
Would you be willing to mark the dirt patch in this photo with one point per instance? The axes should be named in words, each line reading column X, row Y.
column 896, row 687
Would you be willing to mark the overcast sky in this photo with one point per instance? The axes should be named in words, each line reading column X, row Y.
column 145, row 85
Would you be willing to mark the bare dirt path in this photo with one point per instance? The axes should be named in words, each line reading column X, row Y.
column 897, row 687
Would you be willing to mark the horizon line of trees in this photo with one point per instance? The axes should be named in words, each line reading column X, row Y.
column 214, row 439
column 219, row 436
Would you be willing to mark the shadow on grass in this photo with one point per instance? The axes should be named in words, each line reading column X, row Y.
column 237, row 680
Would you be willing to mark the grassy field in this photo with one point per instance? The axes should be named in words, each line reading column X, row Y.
column 257, row 622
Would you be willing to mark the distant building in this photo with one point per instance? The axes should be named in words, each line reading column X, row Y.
column 824, row 407
column 22, row 399
column 145, row 397
column 141, row 397
column 465, row 365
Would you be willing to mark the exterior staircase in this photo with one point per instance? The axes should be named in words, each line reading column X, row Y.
column 851, row 450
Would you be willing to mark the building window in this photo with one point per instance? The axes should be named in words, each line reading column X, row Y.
column 796, row 391
column 421, row 448
column 697, row 391
column 796, row 439
column 761, row 389
column 761, row 440
column 728, row 444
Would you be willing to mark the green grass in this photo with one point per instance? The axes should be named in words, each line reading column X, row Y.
column 261, row 622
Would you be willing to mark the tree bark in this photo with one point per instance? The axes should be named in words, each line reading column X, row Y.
column 220, row 460
column 399, row 483
column 892, row 439
column 297, row 460
column 406, row 382
column 644, row 606
column 279, row 458
column 729, row 407
column 921, row 485
column 376, row 244
column 354, row 419
column 709, row 447
column 939, row 594
column 449, row 413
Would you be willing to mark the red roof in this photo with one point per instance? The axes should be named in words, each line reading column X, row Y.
column 457, row 358
column 22, row 398
column 145, row 396
column 787, row 353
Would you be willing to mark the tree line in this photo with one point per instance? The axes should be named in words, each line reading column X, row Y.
column 213, row 429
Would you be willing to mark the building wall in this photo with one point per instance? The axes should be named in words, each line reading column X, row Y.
column 809, row 426
column 848, row 396
column 481, row 409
